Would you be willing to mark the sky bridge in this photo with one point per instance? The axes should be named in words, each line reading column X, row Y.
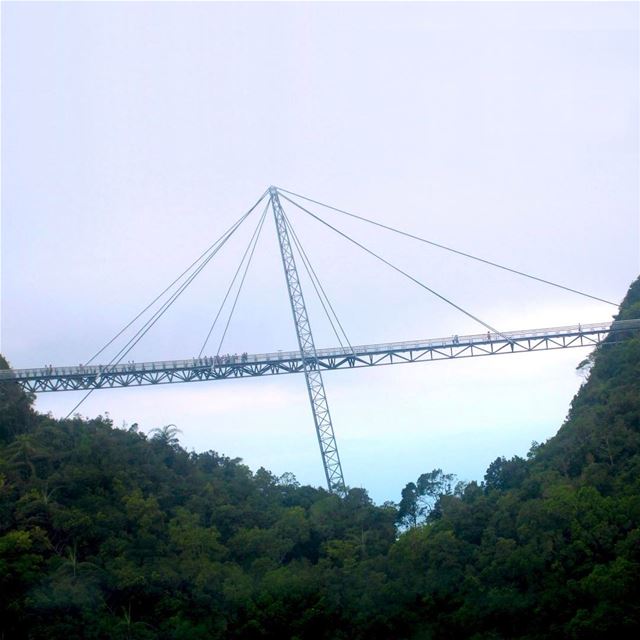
column 229, row 366
column 308, row 360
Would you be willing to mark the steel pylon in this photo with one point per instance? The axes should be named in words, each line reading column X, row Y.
column 312, row 374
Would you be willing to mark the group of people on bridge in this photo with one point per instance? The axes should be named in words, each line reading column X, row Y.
column 210, row 361
column 131, row 365
column 456, row 339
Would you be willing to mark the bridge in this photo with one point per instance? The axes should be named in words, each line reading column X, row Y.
column 230, row 366
column 308, row 360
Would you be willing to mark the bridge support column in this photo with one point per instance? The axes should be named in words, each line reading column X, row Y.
column 312, row 374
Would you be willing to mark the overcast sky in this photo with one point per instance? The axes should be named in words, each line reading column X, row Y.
column 133, row 135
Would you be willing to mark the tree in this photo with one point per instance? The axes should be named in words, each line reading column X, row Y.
column 16, row 413
column 408, row 510
column 167, row 435
column 419, row 499
column 503, row 474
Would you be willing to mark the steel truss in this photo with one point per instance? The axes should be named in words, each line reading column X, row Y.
column 267, row 364
column 308, row 356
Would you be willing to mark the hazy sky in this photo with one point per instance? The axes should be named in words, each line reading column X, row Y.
column 133, row 135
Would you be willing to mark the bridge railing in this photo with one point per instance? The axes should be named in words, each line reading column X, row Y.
column 277, row 356
column 478, row 338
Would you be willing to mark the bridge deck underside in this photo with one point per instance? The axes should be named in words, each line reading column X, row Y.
column 223, row 368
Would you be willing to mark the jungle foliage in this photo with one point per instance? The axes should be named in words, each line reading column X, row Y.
column 108, row 533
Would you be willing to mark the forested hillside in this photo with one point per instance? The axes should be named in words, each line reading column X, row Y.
column 109, row 533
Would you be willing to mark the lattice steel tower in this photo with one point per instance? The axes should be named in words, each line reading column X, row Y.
column 312, row 374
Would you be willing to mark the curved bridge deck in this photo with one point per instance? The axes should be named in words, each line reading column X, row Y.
column 249, row 365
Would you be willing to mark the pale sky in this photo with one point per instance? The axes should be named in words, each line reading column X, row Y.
column 133, row 135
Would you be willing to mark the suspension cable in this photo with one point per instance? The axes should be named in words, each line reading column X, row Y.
column 115, row 361
column 202, row 255
column 215, row 320
column 441, row 246
column 404, row 273
column 310, row 270
column 244, row 275
column 168, row 303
